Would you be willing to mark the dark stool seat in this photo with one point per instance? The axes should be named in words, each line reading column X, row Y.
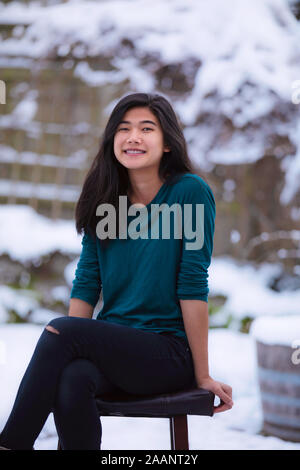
column 175, row 406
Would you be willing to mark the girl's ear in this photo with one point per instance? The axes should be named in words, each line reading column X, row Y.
column 167, row 149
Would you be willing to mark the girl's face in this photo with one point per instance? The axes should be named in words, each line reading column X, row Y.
column 140, row 130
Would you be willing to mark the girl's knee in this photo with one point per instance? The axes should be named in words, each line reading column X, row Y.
column 53, row 330
column 79, row 375
column 57, row 324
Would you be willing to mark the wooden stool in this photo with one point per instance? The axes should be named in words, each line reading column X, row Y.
column 175, row 406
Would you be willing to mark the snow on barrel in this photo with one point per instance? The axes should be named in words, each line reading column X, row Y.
column 278, row 358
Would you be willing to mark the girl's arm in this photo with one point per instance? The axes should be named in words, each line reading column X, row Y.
column 87, row 282
column 196, row 322
column 195, row 318
column 80, row 308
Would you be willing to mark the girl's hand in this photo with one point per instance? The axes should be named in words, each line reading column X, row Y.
column 223, row 391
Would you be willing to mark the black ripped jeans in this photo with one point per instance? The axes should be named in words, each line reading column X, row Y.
column 88, row 358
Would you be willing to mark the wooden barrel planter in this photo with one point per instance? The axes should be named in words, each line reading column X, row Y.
column 278, row 360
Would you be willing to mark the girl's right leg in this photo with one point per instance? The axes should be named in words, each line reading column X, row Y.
column 75, row 412
column 37, row 391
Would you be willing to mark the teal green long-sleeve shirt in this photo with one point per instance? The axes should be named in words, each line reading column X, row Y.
column 143, row 279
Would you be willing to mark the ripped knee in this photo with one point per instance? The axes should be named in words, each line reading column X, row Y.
column 52, row 330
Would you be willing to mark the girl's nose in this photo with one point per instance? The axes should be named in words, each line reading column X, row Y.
column 134, row 137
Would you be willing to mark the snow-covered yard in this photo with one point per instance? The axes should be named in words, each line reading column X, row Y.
column 249, row 55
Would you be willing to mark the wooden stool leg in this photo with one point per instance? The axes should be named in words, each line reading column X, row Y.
column 179, row 433
column 58, row 445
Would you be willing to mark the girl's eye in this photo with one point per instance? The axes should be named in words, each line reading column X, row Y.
column 126, row 128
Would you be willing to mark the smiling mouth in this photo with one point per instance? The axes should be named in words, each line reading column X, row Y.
column 134, row 153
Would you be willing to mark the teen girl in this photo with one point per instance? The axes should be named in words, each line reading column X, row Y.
column 151, row 334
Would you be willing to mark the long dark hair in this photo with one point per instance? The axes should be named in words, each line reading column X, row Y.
column 107, row 179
